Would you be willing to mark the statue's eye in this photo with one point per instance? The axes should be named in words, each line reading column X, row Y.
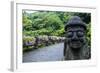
column 80, row 34
column 69, row 34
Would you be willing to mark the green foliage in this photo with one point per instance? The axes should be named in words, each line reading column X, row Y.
column 42, row 23
column 26, row 22
column 53, row 21
column 28, row 40
column 58, row 32
column 86, row 17
column 89, row 33
column 37, row 32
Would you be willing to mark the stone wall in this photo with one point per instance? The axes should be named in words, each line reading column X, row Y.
column 31, row 43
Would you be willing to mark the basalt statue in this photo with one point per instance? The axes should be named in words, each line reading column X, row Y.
column 75, row 45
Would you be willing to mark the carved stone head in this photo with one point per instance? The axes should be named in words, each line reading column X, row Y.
column 75, row 31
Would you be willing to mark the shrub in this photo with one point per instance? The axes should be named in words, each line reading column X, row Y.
column 28, row 43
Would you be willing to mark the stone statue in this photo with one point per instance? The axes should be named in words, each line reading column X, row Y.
column 75, row 45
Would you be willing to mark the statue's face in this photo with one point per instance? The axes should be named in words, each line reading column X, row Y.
column 76, row 37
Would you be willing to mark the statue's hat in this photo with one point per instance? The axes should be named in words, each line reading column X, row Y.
column 75, row 21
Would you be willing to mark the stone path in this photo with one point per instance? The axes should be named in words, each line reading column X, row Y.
column 49, row 53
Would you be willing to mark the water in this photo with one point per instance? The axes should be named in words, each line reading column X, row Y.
column 49, row 53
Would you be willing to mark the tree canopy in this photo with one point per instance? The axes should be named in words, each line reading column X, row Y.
column 49, row 22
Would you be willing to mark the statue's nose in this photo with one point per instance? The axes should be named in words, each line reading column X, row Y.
column 75, row 37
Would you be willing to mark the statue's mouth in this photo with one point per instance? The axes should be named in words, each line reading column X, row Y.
column 76, row 44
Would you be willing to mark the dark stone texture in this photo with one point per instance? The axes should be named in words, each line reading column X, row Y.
column 75, row 45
